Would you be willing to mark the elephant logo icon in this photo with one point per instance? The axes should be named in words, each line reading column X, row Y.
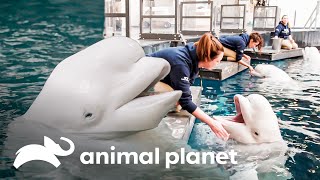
column 47, row 152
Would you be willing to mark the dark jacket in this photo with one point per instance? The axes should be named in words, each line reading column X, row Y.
column 236, row 43
column 184, row 69
column 282, row 31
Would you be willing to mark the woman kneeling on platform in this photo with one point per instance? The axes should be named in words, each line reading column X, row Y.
column 234, row 47
column 283, row 31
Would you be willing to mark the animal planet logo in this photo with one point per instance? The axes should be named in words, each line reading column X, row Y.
column 47, row 152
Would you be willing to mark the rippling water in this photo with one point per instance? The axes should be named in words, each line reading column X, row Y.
column 297, row 104
column 36, row 35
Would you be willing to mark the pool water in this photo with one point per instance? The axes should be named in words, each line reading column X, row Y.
column 296, row 104
column 36, row 35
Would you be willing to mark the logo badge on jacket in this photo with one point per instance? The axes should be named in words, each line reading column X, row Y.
column 185, row 79
column 286, row 31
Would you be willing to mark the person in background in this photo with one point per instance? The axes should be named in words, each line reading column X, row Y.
column 185, row 62
column 283, row 31
column 234, row 47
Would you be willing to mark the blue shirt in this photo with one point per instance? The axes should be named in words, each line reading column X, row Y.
column 236, row 43
column 184, row 69
column 282, row 31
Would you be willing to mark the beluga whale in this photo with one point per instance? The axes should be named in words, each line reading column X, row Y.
column 255, row 121
column 270, row 72
column 97, row 91
column 257, row 136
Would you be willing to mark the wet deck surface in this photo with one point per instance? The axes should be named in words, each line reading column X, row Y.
column 224, row 70
column 151, row 46
column 181, row 123
column 268, row 54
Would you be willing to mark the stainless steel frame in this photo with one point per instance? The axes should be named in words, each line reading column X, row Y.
column 264, row 17
column 174, row 37
column 125, row 15
column 188, row 32
column 233, row 17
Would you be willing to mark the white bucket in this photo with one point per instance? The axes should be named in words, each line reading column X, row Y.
column 276, row 44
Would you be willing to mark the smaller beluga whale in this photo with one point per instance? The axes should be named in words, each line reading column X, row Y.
column 271, row 72
column 255, row 121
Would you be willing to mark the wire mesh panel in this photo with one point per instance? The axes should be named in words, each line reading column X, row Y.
column 265, row 18
column 232, row 18
column 116, row 21
column 196, row 17
column 158, row 19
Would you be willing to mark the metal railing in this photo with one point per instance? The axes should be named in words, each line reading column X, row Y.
column 311, row 19
column 175, row 36
column 238, row 8
column 265, row 18
column 113, row 17
column 184, row 18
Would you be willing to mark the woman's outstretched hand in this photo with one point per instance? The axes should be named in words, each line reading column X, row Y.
column 251, row 69
column 215, row 125
column 219, row 130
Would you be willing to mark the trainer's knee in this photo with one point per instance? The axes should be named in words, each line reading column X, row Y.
column 294, row 45
column 231, row 59
column 287, row 46
column 162, row 87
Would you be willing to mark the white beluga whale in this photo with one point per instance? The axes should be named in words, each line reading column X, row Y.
column 255, row 121
column 271, row 72
column 96, row 91
column 258, row 140
column 97, row 98
column 310, row 53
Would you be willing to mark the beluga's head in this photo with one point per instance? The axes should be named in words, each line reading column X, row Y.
column 255, row 121
column 96, row 91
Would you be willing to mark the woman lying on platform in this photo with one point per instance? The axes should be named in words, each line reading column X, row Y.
column 283, row 31
column 234, row 47
column 185, row 62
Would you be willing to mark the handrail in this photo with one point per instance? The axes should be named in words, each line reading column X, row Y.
column 311, row 19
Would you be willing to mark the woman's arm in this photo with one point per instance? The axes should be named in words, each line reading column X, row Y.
column 291, row 39
column 246, row 64
column 215, row 125
column 277, row 31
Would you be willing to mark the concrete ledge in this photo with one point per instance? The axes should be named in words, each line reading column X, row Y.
column 181, row 123
column 223, row 70
column 151, row 46
column 271, row 55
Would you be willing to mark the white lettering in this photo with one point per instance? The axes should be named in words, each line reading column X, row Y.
column 168, row 159
column 90, row 155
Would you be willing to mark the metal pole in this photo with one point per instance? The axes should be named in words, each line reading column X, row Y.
column 181, row 14
column 221, row 11
column 176, row 17
column 127, row 18
column 211, row 8
column 295, row 16
column 317, row 13
column 141, row 14
column 215, row 18
column 150, row 13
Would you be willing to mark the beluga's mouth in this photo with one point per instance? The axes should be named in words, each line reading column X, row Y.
column 239, row 117
column 255, row 121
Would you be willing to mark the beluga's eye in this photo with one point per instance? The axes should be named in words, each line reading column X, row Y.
column 88, row 115
column 256, row 133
